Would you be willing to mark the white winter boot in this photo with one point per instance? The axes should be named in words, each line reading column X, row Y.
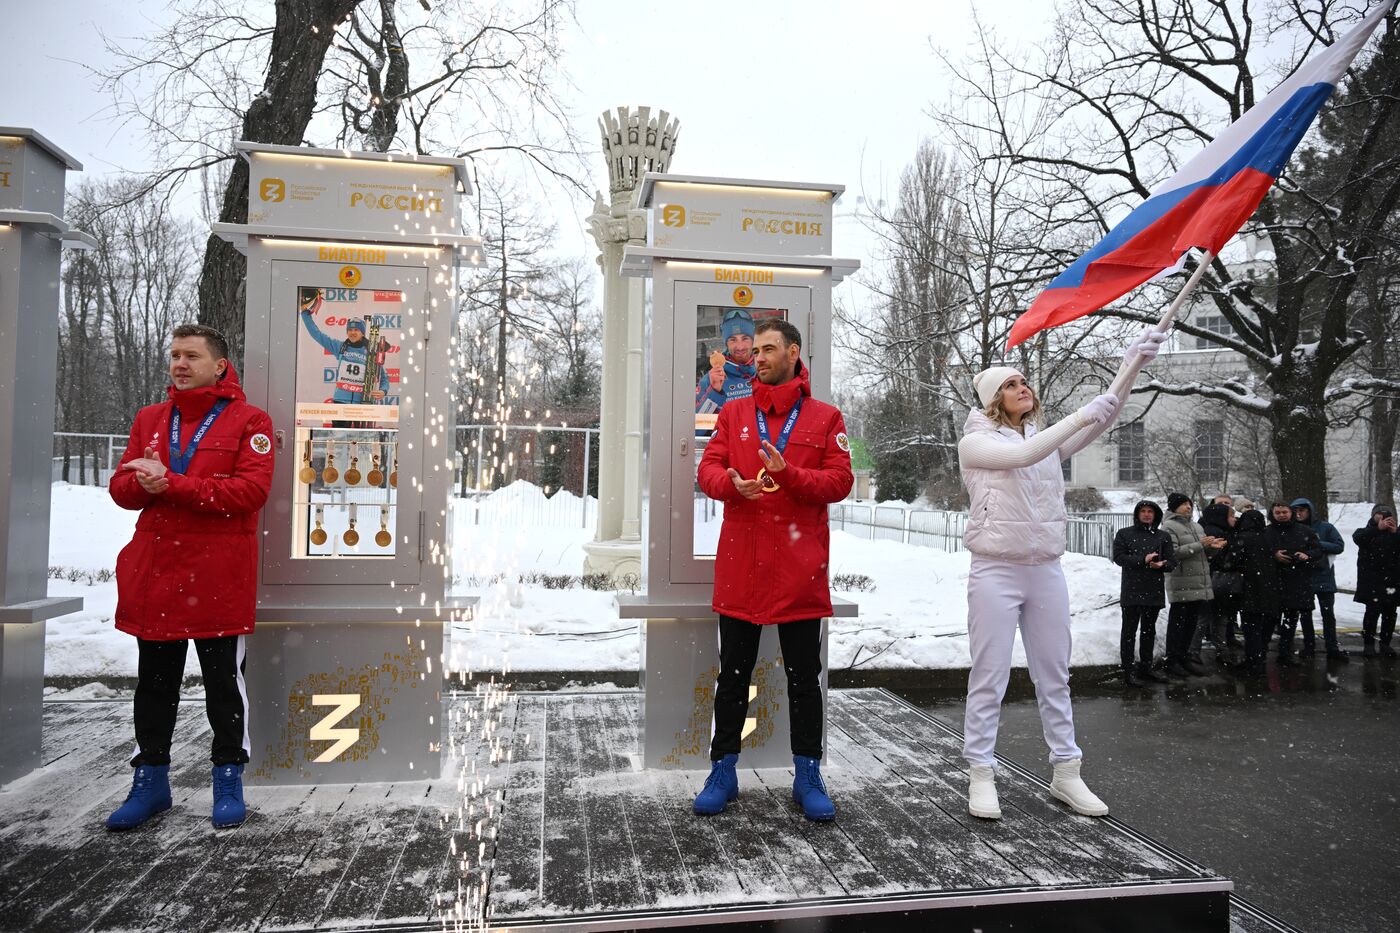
column 982, row 792
column 1069, row 787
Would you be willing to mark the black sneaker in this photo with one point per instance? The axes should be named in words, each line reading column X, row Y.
column 1388, row 652
column 1368, row 650
column 1153, row 675
column 1337, row 654
column 1131, row 679
column 1176, row 670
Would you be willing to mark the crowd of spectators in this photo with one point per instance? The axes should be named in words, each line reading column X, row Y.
column 1246, row 580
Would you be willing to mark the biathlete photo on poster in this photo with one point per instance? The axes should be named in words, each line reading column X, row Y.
column 359, row 374
column 725, row 364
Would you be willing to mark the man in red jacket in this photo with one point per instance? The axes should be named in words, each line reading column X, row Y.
column 198, row 466
column 775, row 460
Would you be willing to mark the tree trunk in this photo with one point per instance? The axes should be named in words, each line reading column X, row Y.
column 1299, row 442
column 303, row 32
column 384, row 119
column 1385, row 419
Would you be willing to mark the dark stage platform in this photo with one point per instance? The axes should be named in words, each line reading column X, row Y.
column 583, row 841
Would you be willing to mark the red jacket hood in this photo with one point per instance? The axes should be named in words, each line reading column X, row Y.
column 781, row 398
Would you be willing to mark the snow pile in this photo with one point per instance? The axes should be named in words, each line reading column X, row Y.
column 525, row 502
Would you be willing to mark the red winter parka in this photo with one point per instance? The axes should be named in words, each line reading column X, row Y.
column 774, row 551
column 191, row 569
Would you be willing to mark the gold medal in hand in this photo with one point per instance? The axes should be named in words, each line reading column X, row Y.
column 766, row 478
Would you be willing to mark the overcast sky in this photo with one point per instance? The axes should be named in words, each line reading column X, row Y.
column 791, row 90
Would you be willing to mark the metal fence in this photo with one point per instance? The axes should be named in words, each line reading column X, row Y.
column 1091, row 533
column 561, row 463
column 86, row 459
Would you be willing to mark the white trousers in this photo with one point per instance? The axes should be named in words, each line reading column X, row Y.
column 1000, row 597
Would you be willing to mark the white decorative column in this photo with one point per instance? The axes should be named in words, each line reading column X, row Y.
column 634, row 144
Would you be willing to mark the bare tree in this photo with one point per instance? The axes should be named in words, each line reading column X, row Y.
column 571, row 335
column 1129, row 88
column 965, row 250
column 469, row 79
column 120, row 302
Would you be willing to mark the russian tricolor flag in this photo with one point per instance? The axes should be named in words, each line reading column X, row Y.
column 1207, row 201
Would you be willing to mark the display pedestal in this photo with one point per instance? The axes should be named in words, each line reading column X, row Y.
column 21, row 698
column 33, row 235
column 352, row 272
column 344, row 702
column 679, row 670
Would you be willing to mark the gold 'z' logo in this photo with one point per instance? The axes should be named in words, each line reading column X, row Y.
column 673, row 215
column 324, row 731
column 272, row 189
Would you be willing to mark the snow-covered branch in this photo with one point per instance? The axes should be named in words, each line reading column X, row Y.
column 1230, row 391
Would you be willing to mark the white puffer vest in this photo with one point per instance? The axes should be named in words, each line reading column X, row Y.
column 1014, row 515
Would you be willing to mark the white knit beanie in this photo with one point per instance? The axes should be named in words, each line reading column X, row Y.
column 989, row 382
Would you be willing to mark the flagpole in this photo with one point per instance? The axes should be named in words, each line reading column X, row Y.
column 1126, row 375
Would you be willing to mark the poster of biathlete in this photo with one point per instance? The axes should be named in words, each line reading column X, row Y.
column 348, row 355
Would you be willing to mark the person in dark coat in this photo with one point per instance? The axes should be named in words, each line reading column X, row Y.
column 1297, row 553
column 1218, row 521
column 1144, row 552
column 1378, row 578
column 1259, row 597
column 1324, row 582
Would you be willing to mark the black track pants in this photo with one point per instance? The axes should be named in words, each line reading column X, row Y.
column 159, row 671
column 802, row 659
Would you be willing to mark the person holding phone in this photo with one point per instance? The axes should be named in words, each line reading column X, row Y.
column 1296, row 551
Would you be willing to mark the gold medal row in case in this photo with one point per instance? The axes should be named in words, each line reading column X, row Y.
column 351, row 537
column 330, row 474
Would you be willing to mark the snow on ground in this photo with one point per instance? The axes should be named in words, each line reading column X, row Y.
column 916, row 617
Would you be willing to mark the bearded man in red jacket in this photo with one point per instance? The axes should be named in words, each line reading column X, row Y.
column 775, row 460
column 198, row 466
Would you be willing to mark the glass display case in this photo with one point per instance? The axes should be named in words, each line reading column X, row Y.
column 724, row 368
column 343, row 365
column 713, row 359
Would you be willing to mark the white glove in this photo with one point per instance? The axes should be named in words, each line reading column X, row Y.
column 1144, row 347
column 1100, row 409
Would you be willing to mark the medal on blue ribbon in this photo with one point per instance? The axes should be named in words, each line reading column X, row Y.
column 180, row 459
column 769, row 483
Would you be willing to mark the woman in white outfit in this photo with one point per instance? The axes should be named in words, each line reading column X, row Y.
column 1016, row 533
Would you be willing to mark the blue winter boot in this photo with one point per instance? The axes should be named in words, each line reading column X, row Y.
column 809, row 791
column 229, row 809
column 150, row 794
column 721, row 787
